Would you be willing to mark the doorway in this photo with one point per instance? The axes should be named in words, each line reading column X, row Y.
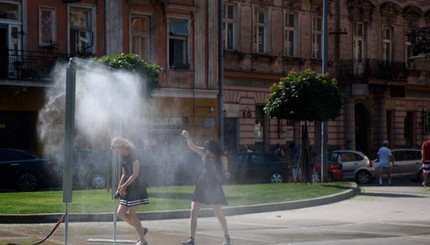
column 362, row 127
column 18, row 130
column 231, row 129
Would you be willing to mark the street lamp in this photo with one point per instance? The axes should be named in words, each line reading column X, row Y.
column 324, row 138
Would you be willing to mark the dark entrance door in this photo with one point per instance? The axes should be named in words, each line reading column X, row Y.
column 362, row 126
column 3, row 52
column 18, row 130
column 230, row 134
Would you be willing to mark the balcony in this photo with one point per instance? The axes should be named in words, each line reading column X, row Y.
column 366, row 69
column 29, row 65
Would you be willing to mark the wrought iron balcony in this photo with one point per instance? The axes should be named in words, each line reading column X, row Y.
column 366, row 69
column 29, row 65
column 420, row 40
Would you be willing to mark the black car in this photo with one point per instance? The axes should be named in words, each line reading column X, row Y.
column 253, row 167
column 25, row 171
column 91, row 168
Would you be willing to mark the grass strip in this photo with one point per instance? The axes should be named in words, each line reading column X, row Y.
column 161, row 198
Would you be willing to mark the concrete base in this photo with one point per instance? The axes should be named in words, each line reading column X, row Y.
column 100, row 240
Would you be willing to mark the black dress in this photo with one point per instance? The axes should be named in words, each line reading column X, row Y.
column 136, row 192
column 208, row 188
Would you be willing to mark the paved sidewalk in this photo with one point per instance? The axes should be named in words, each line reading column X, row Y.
column 29, row 229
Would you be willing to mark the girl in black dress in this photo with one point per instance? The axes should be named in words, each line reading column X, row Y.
column 131, row 187
column 208, row 188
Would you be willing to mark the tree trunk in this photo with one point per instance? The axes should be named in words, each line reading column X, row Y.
column 304, row 159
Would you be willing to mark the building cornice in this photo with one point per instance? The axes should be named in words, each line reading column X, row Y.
column 185, row 93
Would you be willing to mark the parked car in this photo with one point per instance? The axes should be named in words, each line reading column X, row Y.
column 163, row 169
column 355, row 165
column 91, row 168
column 26, row 171
column 254, row 167
column 407, row 164
column 334, row 171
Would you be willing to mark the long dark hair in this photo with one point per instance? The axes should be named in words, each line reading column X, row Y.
column 212, row 146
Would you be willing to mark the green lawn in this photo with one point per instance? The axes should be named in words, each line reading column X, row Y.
column 161, row 198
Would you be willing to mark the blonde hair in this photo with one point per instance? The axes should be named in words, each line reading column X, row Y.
column 119, row 142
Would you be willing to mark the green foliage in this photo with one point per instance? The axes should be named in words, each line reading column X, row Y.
column 132, row 62
column 305, row 96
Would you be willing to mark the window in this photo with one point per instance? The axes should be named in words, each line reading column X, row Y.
column 178, row 44
column 387, row 44
column 141, row 36
column 81, row 30
column 230, row 27
column 358, row 41
column 290, row 34
column 261, row 23
column 316, row 37
column 47, row 20
column 10, row 11
column 408, row 50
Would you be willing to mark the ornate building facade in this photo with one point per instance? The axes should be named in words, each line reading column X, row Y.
column 386, row 95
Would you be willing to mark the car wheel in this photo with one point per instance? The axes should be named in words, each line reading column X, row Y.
column 27, row 181
column 420, row 177
column 363, row 177
column 98, row 181
column 276, row 178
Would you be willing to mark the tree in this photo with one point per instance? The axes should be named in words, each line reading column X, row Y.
column 132, row 62
column 305, row 96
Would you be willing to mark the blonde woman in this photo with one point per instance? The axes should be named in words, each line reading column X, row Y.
column 131, row 187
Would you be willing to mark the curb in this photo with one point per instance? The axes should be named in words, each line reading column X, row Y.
column 182, row 214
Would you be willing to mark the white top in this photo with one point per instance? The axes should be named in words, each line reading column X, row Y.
column 384, row 154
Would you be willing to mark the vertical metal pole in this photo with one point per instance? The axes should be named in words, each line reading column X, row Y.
column 115, row 181
column 69, row 135
column 324, row 128
column 221, row 71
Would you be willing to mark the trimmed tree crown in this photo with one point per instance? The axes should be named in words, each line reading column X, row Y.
column 305, row 96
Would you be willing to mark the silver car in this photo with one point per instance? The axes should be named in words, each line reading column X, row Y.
column 355, row 165
column 407, row 164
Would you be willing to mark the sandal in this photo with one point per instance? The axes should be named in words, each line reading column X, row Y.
column 190, row 241
column 226, row 240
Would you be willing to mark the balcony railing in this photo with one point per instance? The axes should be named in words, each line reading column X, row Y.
column 30, row 65
column 366, row 69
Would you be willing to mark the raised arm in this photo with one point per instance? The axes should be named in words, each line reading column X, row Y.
column 197, row 149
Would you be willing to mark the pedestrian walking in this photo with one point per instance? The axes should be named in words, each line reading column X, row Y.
column 131, row 187
column 278, row 151
column 293, row 155
column 425, row 157
column 386, row 161
column 208, row 187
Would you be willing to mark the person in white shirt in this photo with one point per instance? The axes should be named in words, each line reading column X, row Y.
column 386, row 161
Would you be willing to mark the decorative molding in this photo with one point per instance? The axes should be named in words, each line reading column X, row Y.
column 360, row 10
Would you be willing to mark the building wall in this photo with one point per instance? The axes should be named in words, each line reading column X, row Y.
column 374, row 96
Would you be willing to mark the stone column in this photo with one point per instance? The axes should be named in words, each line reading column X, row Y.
column 200, row 43
column 114, row 27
